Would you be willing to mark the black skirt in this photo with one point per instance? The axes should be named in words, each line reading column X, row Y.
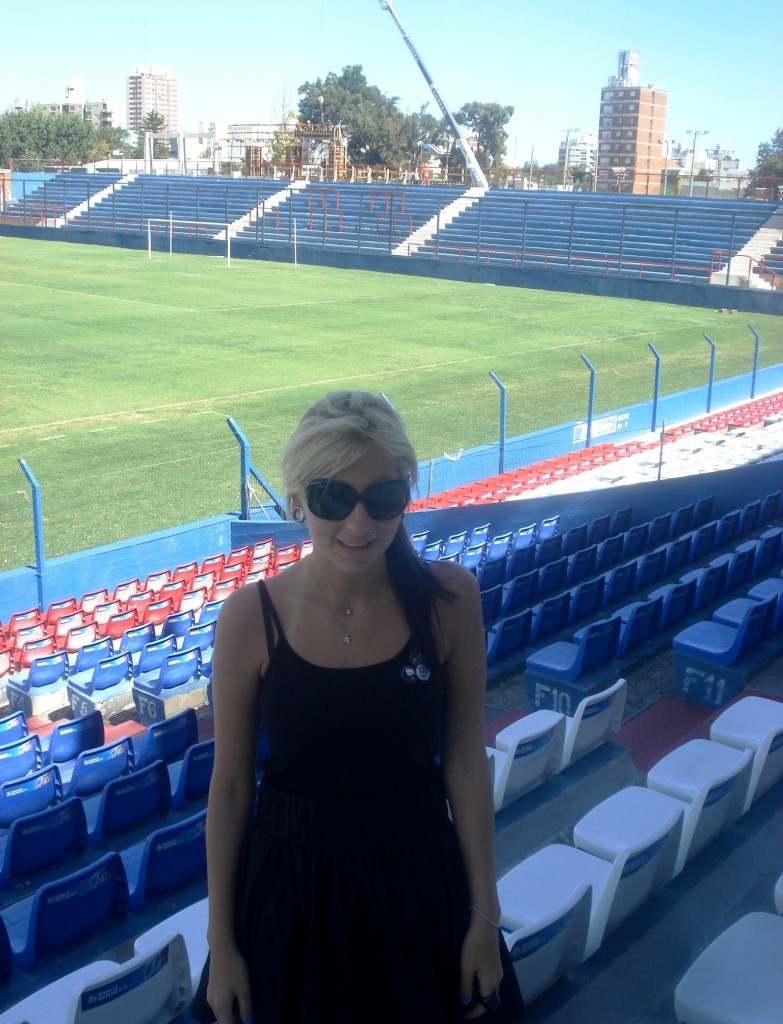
column 354, row 911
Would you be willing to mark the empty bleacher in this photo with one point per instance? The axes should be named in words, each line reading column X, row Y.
column 652, row 237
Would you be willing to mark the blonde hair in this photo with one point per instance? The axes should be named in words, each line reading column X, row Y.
column 336, row 431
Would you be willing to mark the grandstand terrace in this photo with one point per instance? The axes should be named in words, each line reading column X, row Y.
column 597, row 559
column 609, row 237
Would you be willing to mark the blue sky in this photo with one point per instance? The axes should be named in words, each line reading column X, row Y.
column 243, row 61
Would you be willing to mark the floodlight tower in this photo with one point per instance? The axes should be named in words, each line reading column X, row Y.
column 474, row 168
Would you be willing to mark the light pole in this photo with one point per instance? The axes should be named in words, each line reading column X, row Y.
column 668, row 144
column 695, row 132
column 565, row 155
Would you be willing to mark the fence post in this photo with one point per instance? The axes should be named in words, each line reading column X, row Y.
column 713, row 346
column 247, row 469
column 40, row 558
column 755, row 361
column 656, row 385
column 590, row 401
column 502, row 438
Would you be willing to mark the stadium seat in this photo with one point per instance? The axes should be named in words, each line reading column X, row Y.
column 638, row 623
column 39, row 840
column 519, row 592
column 191, row 924
column 508, row 635
column 69, row 738
column 549, row 616
column 529, row 751
column 127, row 802
column 737, row 978
column 168, row 858
column 13, row 727
column 177, row 669
column 89, row 655
column 710, row 781
column 89, row 772
column 153, row 654
column 641, row 823
column 720, row 643
column 167, row 739
column 19, row 757
column 552, row 873
column 551, row 941
column 34, row 792
column 676, row 600
column 595, row 720
column 153, row 987
column 190, row 776
column 566, row 661
column 62, row 913
column 585, row 599
column 756, row 724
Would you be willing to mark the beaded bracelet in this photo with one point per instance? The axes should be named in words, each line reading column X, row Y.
column 481, row 913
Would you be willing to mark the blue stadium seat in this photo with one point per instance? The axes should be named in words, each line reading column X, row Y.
column 723, row 644
column 635, row 540
column 154, row 653
column 127, row 802
column 552, row 577
column 575, row 538
column 69, row 738
column 649, row 568
column 170, row 857
column 87, row 657
column 167, row 739
column 549, row 549
column 51, row 668
column 676, row 601
column 519, row 592
column 586, row 599
column 709, row 585
column 639, row 622
column 13, row 727
column 610, row 551
column 581, row 563
column 520, row 561
column 35, row 792
column 178, row 668
column 62, row 913
column 191, row 776
column 473, row 557
column 108, row 673
column 508, row 635
column 92, row 769
column 20, row 757
column 492, row 572
column 618, row 583
column 549, row 616
column 40, row 840
column 599, row 529
column 566, row 661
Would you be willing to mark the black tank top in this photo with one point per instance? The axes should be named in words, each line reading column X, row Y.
column 350, row 733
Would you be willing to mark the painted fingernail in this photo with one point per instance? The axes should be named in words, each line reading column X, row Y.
column 248, row 1019
column 465, row 1000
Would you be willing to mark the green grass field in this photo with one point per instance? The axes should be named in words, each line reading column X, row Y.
column 119, row 372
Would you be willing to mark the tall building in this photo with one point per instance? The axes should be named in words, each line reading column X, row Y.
column 631, row 130
column 153, row 89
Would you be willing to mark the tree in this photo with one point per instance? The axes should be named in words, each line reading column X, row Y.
column 769, row 161
column 488, row 121
column 154, row 122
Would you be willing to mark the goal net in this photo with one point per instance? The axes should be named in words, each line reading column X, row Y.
column 165, row 229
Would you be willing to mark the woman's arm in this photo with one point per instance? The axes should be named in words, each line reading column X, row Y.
column 238, row 661
column 467, row 777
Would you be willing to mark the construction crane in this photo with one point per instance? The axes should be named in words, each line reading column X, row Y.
column 474, row 168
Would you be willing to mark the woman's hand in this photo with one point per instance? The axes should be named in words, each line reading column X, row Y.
column 229, row 988
column 480, row 960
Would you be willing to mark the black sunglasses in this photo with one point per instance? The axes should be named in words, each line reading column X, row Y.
column 334, row 500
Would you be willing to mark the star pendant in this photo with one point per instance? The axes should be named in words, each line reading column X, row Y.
column 346, row 638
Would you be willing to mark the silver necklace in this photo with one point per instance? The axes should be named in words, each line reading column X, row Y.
column 345, row 635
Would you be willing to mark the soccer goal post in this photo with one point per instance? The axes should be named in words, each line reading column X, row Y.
column 203, row 229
